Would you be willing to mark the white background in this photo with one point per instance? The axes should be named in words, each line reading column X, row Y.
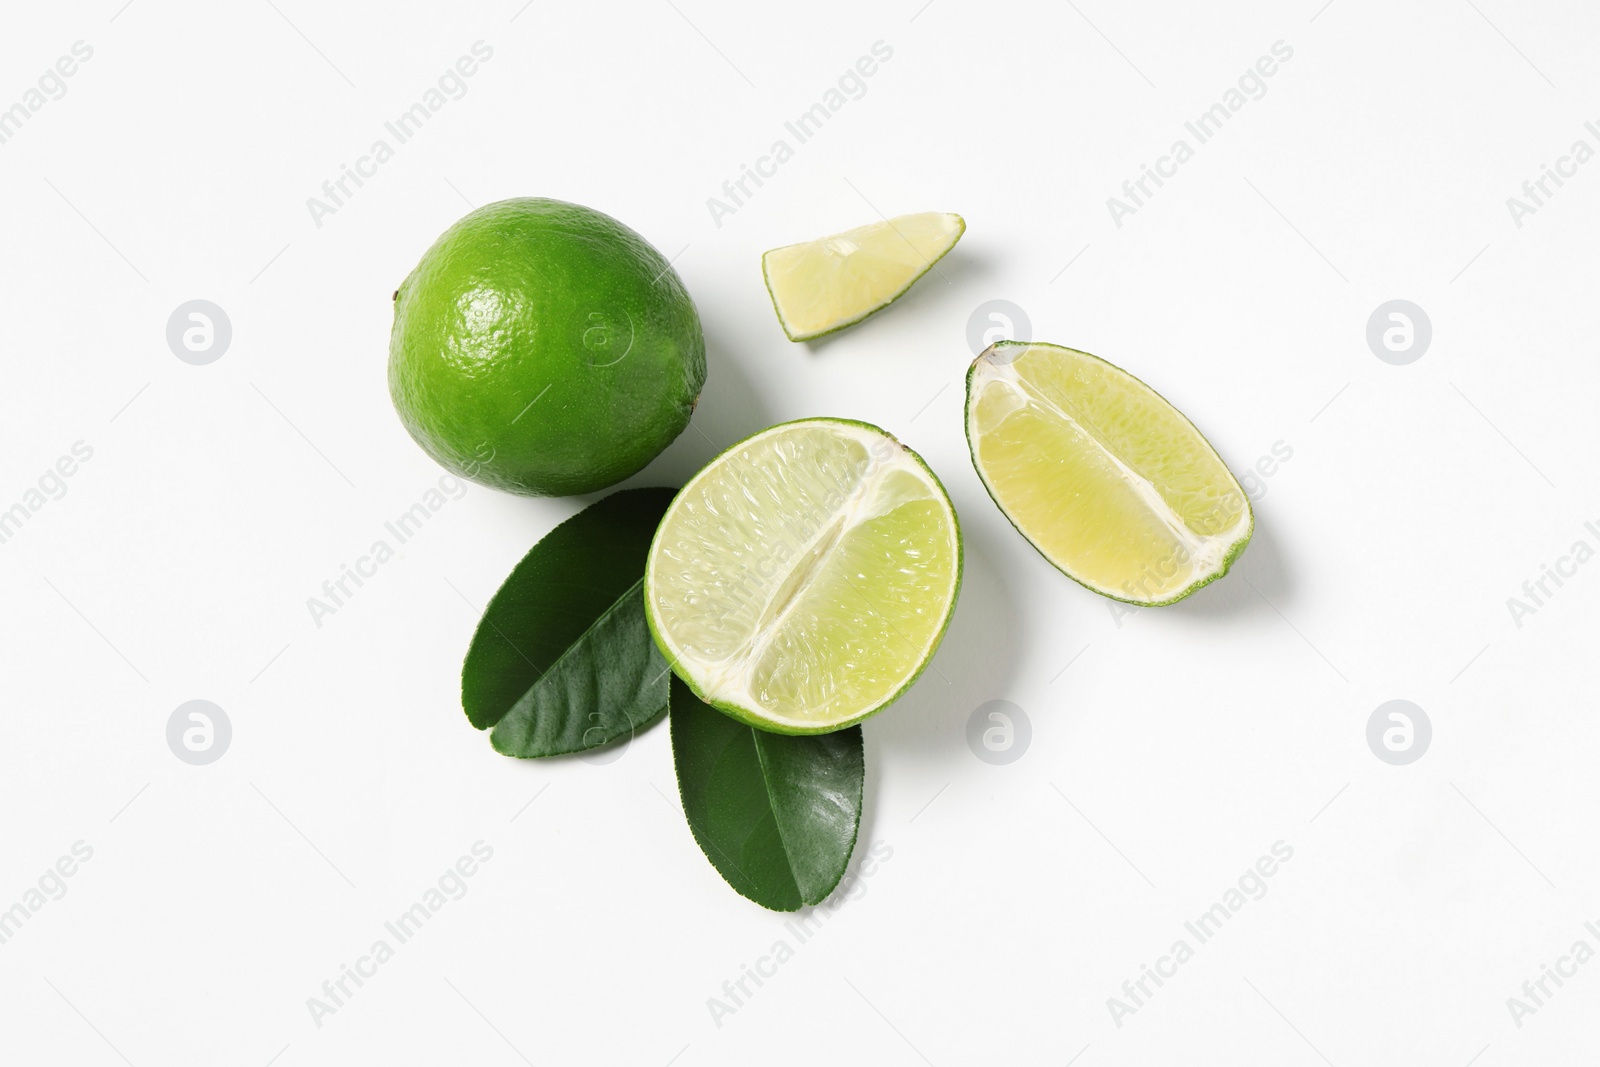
column 1179, row 745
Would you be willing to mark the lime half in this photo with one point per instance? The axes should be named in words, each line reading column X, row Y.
column 803, row 579
column 1105, row 478
column 821, row 286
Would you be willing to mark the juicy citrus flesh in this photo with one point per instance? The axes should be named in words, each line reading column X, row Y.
column 544, row 348
column 827, row 284
column 803, row 579
column 1107, row 480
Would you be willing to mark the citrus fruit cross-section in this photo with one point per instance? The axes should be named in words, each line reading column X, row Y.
column 803, row 579
column 821, row 286
column 1105, row 478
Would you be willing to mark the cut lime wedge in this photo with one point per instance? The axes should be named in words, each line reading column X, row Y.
column 825, row 285
column 1105, row 478
column 803, row 579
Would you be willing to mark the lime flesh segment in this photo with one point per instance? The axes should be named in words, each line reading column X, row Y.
column 803, row 579
column 1105, row 478
column 827, row 284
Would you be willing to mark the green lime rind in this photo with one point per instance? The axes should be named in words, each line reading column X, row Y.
column 1234, row 551
column 750, row 716
column 767, row 281
column 544, row 348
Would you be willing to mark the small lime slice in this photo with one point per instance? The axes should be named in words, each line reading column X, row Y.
column 821, row 286
column 803, row 579
column 1105, row 478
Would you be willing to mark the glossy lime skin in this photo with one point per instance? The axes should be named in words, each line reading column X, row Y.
column 544, row 348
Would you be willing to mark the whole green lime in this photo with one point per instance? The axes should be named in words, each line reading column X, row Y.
column 544, row 348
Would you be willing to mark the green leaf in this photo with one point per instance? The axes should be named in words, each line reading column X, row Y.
column 563, row 660
column 776, row 815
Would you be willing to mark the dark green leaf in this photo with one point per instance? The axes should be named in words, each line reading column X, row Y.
column 776, row 815
column 563, row 660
